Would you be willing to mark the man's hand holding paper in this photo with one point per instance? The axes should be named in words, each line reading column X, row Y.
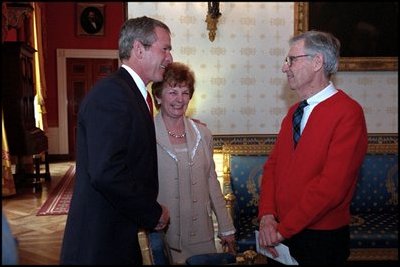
column 282, row 252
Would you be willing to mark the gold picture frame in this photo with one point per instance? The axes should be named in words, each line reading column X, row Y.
column 347, row 63
column 90, row 19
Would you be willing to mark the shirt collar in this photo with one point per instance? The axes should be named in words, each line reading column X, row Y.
column 139, row 82
column 325, row 93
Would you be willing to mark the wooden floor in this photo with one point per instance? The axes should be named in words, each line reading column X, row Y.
column 39, row 237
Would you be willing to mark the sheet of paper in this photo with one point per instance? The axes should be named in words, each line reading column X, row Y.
column 283, row 251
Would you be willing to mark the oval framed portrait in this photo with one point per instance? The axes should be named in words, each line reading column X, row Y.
column 90, row 19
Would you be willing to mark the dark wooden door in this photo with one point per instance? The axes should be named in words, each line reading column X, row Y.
column 82, row 73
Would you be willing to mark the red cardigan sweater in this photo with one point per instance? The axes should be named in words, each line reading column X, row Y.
column 311, row 187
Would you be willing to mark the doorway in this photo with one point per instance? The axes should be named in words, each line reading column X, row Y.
column 82, row 74
column 58, row 136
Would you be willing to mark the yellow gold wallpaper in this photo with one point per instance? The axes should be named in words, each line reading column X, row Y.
column 240, row 88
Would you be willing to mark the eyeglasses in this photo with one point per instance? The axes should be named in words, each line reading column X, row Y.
column 289, row 59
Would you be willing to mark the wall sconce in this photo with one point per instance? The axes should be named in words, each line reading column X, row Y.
column 213, row 15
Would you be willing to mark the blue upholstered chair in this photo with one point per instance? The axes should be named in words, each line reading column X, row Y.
column 246, row 173
column 211, row 259
column 374, row 209
column 159, row 249
column 243, row 172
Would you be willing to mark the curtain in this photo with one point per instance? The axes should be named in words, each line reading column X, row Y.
column 7, row 179
column 40, row 80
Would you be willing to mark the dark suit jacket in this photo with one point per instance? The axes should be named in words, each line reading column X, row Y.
column 89, row 28
column 116, row 182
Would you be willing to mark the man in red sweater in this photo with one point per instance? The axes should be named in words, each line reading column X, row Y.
column 307, row 186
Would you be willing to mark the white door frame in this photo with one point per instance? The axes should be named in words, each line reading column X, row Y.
column 62, row 55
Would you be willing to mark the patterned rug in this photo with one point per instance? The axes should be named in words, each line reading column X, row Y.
column 59, row 199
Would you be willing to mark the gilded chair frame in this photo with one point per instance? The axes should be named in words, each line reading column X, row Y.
column 145, row 247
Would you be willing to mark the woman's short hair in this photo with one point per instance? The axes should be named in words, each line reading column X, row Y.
column 176, row 74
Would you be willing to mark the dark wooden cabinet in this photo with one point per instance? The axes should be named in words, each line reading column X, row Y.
column 18, row 93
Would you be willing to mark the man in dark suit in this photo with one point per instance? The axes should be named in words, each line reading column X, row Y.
column 116, row 183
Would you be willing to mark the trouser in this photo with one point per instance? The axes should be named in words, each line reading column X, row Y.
column 320, row 247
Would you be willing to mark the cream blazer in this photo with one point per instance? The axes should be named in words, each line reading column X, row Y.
column 204, row 195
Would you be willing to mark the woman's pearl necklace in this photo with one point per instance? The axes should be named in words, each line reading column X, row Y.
column 176, row 135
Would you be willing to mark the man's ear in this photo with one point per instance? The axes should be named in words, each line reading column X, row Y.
column 138, row 49
column 318, row 61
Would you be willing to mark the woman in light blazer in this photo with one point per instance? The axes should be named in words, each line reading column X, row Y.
column 187, row 179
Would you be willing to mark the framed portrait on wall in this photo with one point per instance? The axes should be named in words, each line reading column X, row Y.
column 90, row 19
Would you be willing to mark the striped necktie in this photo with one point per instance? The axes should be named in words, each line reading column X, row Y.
column 298, row 114
column 149, row 103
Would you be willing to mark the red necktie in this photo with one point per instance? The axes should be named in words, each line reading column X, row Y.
column 150, row 103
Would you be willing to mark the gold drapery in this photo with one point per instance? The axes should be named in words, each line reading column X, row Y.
column 40, row 80
column 7, row 179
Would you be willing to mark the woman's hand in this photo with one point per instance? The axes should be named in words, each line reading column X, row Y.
column 164, row 219
column 228, row 243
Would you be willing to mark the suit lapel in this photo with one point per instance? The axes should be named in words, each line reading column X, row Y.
column 124, row 78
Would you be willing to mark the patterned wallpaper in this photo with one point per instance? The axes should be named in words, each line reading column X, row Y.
column 240, row 88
